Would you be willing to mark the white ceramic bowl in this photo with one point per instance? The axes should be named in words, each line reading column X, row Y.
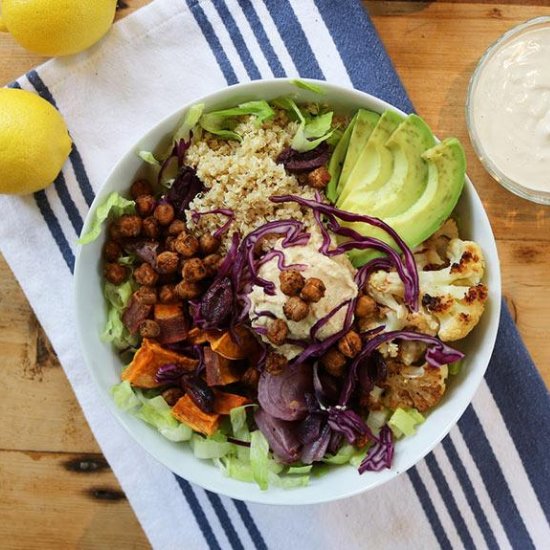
column 105, row 366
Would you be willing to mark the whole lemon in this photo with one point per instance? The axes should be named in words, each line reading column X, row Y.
column 57, row 27
column 34, row 142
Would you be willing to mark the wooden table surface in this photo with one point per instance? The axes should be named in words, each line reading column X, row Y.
column 56, row 489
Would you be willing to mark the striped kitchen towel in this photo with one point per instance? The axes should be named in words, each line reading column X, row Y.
column 486, row 485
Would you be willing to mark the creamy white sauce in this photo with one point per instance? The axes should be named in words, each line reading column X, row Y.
column 511, row 109
column 336, row 272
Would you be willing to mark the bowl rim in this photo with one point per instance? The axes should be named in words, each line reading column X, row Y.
column 263, row 497
column 536, row 196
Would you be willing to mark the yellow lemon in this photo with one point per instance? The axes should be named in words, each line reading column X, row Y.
column 57, row 27
column 34, row 142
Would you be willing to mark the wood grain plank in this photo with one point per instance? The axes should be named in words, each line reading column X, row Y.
column 50, row 500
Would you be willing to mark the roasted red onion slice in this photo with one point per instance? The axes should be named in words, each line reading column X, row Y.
column 283, row 395
column 280, row 435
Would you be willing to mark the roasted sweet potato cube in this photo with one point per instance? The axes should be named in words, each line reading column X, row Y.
column 172, row 323
column 219, row 370
column 197, row 336
column 226, row 346
column 148, row 360
column 227, row 401
column 135, row 314
column 187, row 412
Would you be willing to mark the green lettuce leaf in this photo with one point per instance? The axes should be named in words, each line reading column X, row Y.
column 404, row 421
column 189, row 121
column 124, row 396
column 149, row 158
column 259, row 459
column 456, row 367
column 315, row 88
column 215, row 446
column 222, row 123
column 116, row 205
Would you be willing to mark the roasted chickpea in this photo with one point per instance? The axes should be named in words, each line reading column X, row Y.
column 209, row 244
column 187, row 245
column 275, row 363
column 176, row 227
column 145, row 205
column 350, row 344
column 167, row 262
column 150, row 228
column 295, row 309
column 292, row 282
column 313, row 290
column 149, row 329
column 172, row 395
column 164, row 213
column 146, row 295
column 365, row 307
column 318, row 178
column 170, row 243
column 146, row 275
column 168, row 295
column 112, row 251
column 140, row 187
column 114, row 231
column 251, row 377
column 212, row 263
column 334, row 362
column 277, row 332
column 188, row 290
column 193, row 270
column 115, row 273
column 129, row 225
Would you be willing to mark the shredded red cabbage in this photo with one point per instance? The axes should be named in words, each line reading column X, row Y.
column 380, row 455
column 296, row 162
column 169, row 373
column 185, row 188
column 349, row 424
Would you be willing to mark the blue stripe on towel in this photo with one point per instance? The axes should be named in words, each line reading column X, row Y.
column 237, row 39
column 429, row 509
column 530, row 402
column 213, row 41
column 368, row 65
column 470, row 493
column 450, row 502
column 261, row 36
column 494, row 480
column 294, row 38
column 74, row 156
column 199, row 514
column 225, row 520
column 55, row 228
column 248, row 520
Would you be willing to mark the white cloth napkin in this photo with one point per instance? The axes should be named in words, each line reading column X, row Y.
column 486, row 485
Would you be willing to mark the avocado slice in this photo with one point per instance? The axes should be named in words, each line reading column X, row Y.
column 364, row 126
column 337, row 160
column 409, row 177
column 374, row 165
column 446, row 173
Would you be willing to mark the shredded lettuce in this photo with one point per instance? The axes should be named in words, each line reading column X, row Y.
column 377, row 419
column 404, row 421
column 288, row 482
column 312, row 131
column 149, row 158
column 456, row 367
column 115, row 331
column 190, row 120
column 222, row 123
column 315, row 88
column 115, row 204
column 259, row 459
column 118, row 296
column 215, row 446
column 237, row 469
column 124, row 396
column 300, row 469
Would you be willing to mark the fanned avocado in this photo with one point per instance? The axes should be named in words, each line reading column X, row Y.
column 446, row 172
column 374, row 165
column 364, row 125
column 409, row 176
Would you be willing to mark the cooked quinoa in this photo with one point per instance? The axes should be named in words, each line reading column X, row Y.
column 243, row 175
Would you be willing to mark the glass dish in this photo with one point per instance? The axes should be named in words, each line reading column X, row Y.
column 510, row 183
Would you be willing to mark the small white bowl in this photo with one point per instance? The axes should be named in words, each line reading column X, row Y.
column 342, row 482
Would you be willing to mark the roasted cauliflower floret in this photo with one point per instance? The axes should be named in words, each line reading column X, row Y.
column 421, row 392
column 432, row 253
column 453, row 298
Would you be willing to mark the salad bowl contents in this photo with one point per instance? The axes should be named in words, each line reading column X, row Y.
column 290, row 285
